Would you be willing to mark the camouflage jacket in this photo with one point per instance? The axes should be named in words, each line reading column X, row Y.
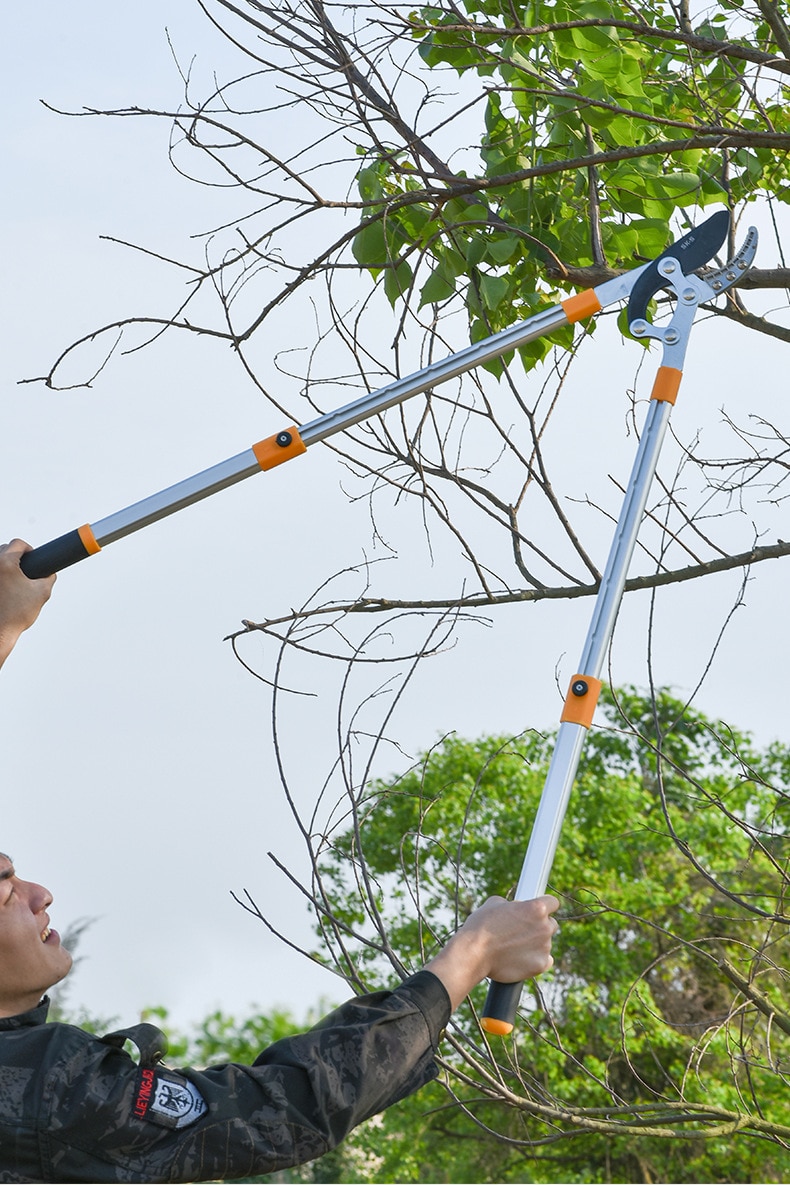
column 75, row 1107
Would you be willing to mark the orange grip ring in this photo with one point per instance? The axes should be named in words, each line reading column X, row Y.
column 497, row 1028
column 667, row 384
column 582, row 305
column 88, row 539
column 274, row 450
column 581, row 700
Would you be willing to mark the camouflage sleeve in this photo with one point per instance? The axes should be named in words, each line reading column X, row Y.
column 301, row 1097
column 304, row 1094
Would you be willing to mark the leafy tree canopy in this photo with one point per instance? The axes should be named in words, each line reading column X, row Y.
column 667, row 1011
column 599, row 122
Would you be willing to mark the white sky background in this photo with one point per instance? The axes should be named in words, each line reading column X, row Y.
column 138, row 780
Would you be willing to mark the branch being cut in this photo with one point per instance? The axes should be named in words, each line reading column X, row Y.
column 746, row 559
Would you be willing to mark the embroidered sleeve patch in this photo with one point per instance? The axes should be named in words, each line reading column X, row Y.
column 167, row 1099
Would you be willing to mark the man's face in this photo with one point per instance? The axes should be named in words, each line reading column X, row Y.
column 31, row 956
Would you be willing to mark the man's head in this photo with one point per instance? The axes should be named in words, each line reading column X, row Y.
column 31, row 956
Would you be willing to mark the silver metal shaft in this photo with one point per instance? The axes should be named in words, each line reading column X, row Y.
column 202, row 485
column 434, row 374
column 168, row 501
column 543, row 841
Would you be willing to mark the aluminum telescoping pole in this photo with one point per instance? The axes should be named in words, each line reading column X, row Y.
column 502, row 999
column 266, row 454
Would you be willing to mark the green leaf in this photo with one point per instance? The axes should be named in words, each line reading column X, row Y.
column 476, row 250
column 415, row 219
column 679, row 187
column 397, row 281
column 503, row 249
column 369, row 247
column 594, row 40
column 653, row 235
column 369, row 184
column 493, row 290
column 436, row 288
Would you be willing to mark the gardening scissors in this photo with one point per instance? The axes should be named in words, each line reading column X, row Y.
column 683, row 272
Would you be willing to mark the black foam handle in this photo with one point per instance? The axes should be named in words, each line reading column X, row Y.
column 53, row 556
column 499, row 1013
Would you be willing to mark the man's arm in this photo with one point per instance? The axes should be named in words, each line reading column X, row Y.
column 301, row 1096
column 365, row 1056
column 21, row 600
column 508, row 941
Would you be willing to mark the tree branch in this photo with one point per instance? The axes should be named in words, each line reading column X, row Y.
column 744, row 559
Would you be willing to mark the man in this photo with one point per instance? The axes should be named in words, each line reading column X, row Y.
column 74, row 1107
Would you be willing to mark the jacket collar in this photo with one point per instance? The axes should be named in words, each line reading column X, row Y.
column 23, row 1020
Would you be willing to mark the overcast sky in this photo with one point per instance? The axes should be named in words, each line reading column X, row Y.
column 139, row 781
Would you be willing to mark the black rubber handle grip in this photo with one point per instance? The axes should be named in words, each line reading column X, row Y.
column 499, row 1014
column 53, row 556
